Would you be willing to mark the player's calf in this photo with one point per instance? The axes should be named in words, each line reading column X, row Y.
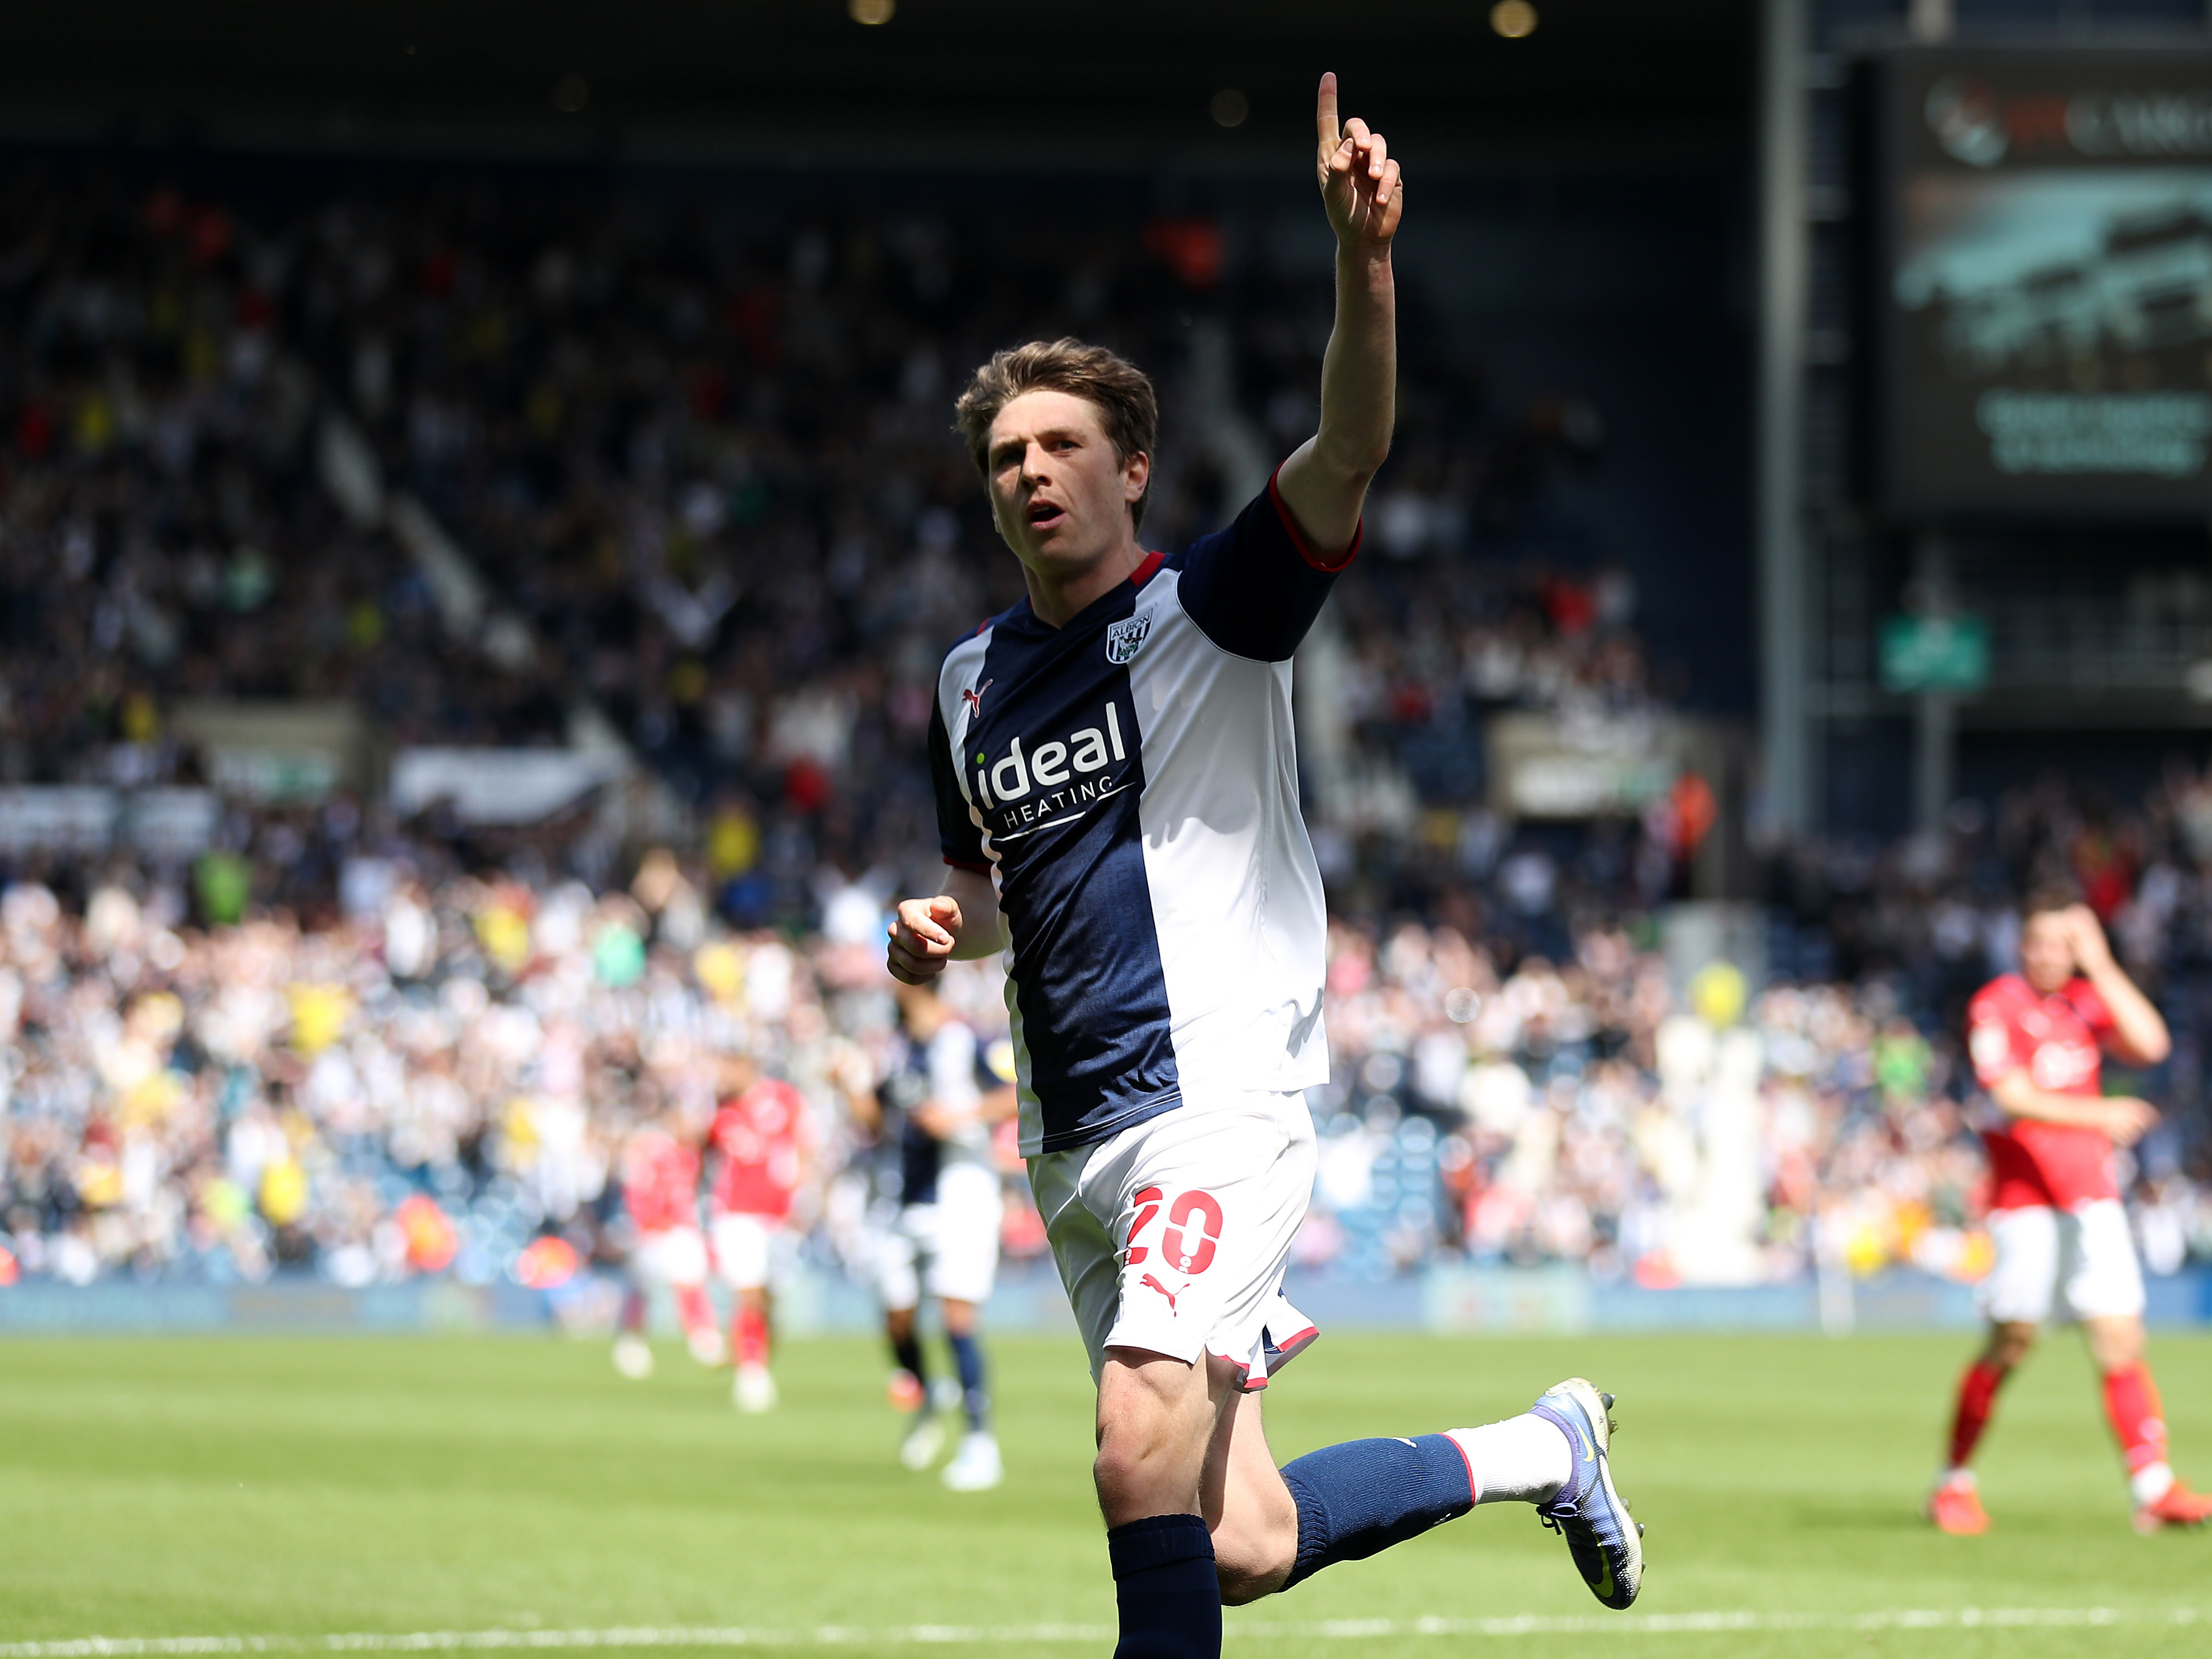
column 1254, row 1519
column 1165, row 1589
column 976, row 1466
column 1156, row 1418
column 1361, row 1496
column 1358, row 1498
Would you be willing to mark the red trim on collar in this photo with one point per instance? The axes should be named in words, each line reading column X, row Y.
column 1145, row 571
column 1328, row 567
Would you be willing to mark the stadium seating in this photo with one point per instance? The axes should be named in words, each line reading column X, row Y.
column 701, row 469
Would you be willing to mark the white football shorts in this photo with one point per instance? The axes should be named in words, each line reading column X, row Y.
column 1172, row 1235
column 749, row 1250
column 670, row 1256
column 949, row 1247
column 2082, row 1259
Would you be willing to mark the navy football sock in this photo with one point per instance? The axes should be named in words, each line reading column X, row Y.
column 1164, row 1579
column 967, row 1360
column 907, row 1350
column 1364, row 1496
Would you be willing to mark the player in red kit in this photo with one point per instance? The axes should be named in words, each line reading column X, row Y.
column 2038, row 1039
column 660, row 1191
column 762, row 1155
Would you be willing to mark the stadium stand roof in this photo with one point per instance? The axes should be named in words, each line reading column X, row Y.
column 800, row 80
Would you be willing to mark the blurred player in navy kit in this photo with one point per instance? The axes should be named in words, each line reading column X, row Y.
column 937, row 1110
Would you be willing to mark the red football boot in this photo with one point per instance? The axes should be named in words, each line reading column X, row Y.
column 2179, row 1507
column 1956, row 1508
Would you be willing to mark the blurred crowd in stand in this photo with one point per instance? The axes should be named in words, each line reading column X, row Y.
column 445, row 1069
column 696, row 468
column 429, row 1084
column 486, row 463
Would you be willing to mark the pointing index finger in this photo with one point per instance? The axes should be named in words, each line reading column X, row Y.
column 1325, row 113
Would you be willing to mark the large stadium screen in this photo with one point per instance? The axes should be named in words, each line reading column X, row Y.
column 2046, row 270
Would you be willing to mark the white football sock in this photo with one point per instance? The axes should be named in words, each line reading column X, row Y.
column 1523, row 1459
column 1955, row 1478
column 2151, row 1482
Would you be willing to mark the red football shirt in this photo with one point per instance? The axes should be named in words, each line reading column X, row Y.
column 757, row 1138
column 2055, row 1040
column 660, row 1181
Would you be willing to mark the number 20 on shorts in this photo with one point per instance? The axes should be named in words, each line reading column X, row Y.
column 1183, row 1248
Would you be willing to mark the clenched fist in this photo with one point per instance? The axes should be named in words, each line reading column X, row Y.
column 923, row 934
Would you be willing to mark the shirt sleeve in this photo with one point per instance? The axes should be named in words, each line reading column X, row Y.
column 1989, row 1040
column 953, row 1069
column 958, row 833
column 1254, row 588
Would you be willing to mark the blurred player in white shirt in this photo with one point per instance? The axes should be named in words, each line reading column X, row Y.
column 937, row 1110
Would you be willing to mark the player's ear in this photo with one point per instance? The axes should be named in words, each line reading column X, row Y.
column 1136, row 476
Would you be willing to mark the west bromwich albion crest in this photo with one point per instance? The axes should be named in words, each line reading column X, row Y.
column 1126, row 638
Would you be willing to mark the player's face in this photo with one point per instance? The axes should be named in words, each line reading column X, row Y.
column 2046, row 951
column 1059, row 493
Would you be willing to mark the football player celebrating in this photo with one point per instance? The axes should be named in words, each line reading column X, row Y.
column 763, row 1154
column 1117, row 802
column 2037, row 1038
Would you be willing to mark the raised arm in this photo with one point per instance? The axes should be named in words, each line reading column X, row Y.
column 1324, row 482
column 2139, row 1034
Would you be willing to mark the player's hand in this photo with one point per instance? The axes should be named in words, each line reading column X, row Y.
column 1360, row 183
column 923, row 932
column 2092, row 952
column 849, row 1067
column 939, row 1121
column 2126, row 1120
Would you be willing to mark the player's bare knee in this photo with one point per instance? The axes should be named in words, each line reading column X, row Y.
column 2114, row 1343
column 1242, row 1585
column 1134, row 1479
column 2010, row 1343
column 1129, row 1457
column 1119, row 1462
column 1252, row 1555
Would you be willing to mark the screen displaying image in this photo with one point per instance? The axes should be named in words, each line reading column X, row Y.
column 2049, row 307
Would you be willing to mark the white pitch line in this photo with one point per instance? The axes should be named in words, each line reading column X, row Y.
column 1349, row 1629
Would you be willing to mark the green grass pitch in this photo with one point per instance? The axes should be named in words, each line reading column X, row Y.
column 293, row 1488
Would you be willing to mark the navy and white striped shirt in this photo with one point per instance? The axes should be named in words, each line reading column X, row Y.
column 1130, row 783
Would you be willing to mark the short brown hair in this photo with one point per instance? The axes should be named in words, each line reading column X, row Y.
column 2050, row 895
column 1129, row 412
